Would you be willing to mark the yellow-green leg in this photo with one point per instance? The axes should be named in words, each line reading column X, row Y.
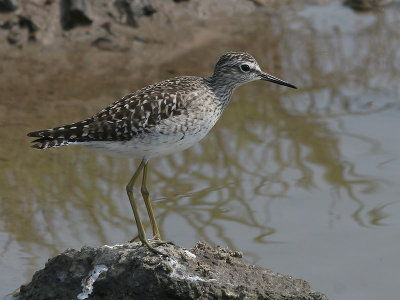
column 139, row 224
column 147, row 201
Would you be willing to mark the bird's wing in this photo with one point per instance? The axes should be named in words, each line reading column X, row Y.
column 133, row 114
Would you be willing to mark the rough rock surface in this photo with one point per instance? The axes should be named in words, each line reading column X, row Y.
column 130, row 271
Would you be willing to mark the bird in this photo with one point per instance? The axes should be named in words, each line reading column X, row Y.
column 156, row 120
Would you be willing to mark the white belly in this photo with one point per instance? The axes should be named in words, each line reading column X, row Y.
column 150, row 145
column 174, row 134
column 144, row 147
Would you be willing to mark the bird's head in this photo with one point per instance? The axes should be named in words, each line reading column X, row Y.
column 237, row 68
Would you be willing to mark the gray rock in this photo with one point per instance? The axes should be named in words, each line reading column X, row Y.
column 130, row 11
column 8, row 5
column 366, row 5
column 130, row 271
column 75, row 13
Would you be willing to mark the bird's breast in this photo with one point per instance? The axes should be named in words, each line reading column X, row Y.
column 171, row 135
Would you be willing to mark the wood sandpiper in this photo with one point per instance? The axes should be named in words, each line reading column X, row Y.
column 159, row 119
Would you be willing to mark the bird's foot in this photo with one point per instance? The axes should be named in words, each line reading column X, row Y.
column 158, row 241
column 149, row 242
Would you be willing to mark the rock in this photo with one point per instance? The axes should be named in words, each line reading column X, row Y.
column 20, row 29
column 130, row 11
column 16, row 34
column 146, row 40
column 108, row 44
column 27, row 22
column 131, row 271
column 103, row 43
column 75, row 13
column 8, row 5
column 366, row 5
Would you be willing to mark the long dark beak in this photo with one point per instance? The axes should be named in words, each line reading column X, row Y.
column 270, row 78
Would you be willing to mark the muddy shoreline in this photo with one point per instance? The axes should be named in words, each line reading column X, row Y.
column 174, row 39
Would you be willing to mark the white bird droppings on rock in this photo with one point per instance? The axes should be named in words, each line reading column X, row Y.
column 179, row 271
column 87, row 283
column 190, row 254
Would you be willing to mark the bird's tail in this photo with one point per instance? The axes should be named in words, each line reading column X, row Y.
column 59, row 136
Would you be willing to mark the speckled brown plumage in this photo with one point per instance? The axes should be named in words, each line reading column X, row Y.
column 134, row 114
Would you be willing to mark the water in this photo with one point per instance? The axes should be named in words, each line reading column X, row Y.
column 304, row 182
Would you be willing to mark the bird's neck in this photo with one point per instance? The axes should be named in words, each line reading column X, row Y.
column 222, row 88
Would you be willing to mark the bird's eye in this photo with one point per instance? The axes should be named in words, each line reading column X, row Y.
column 245, row 67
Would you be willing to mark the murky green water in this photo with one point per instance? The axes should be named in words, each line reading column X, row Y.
column 305, row 182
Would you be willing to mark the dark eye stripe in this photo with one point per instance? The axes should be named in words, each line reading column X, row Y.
column 245, row 68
